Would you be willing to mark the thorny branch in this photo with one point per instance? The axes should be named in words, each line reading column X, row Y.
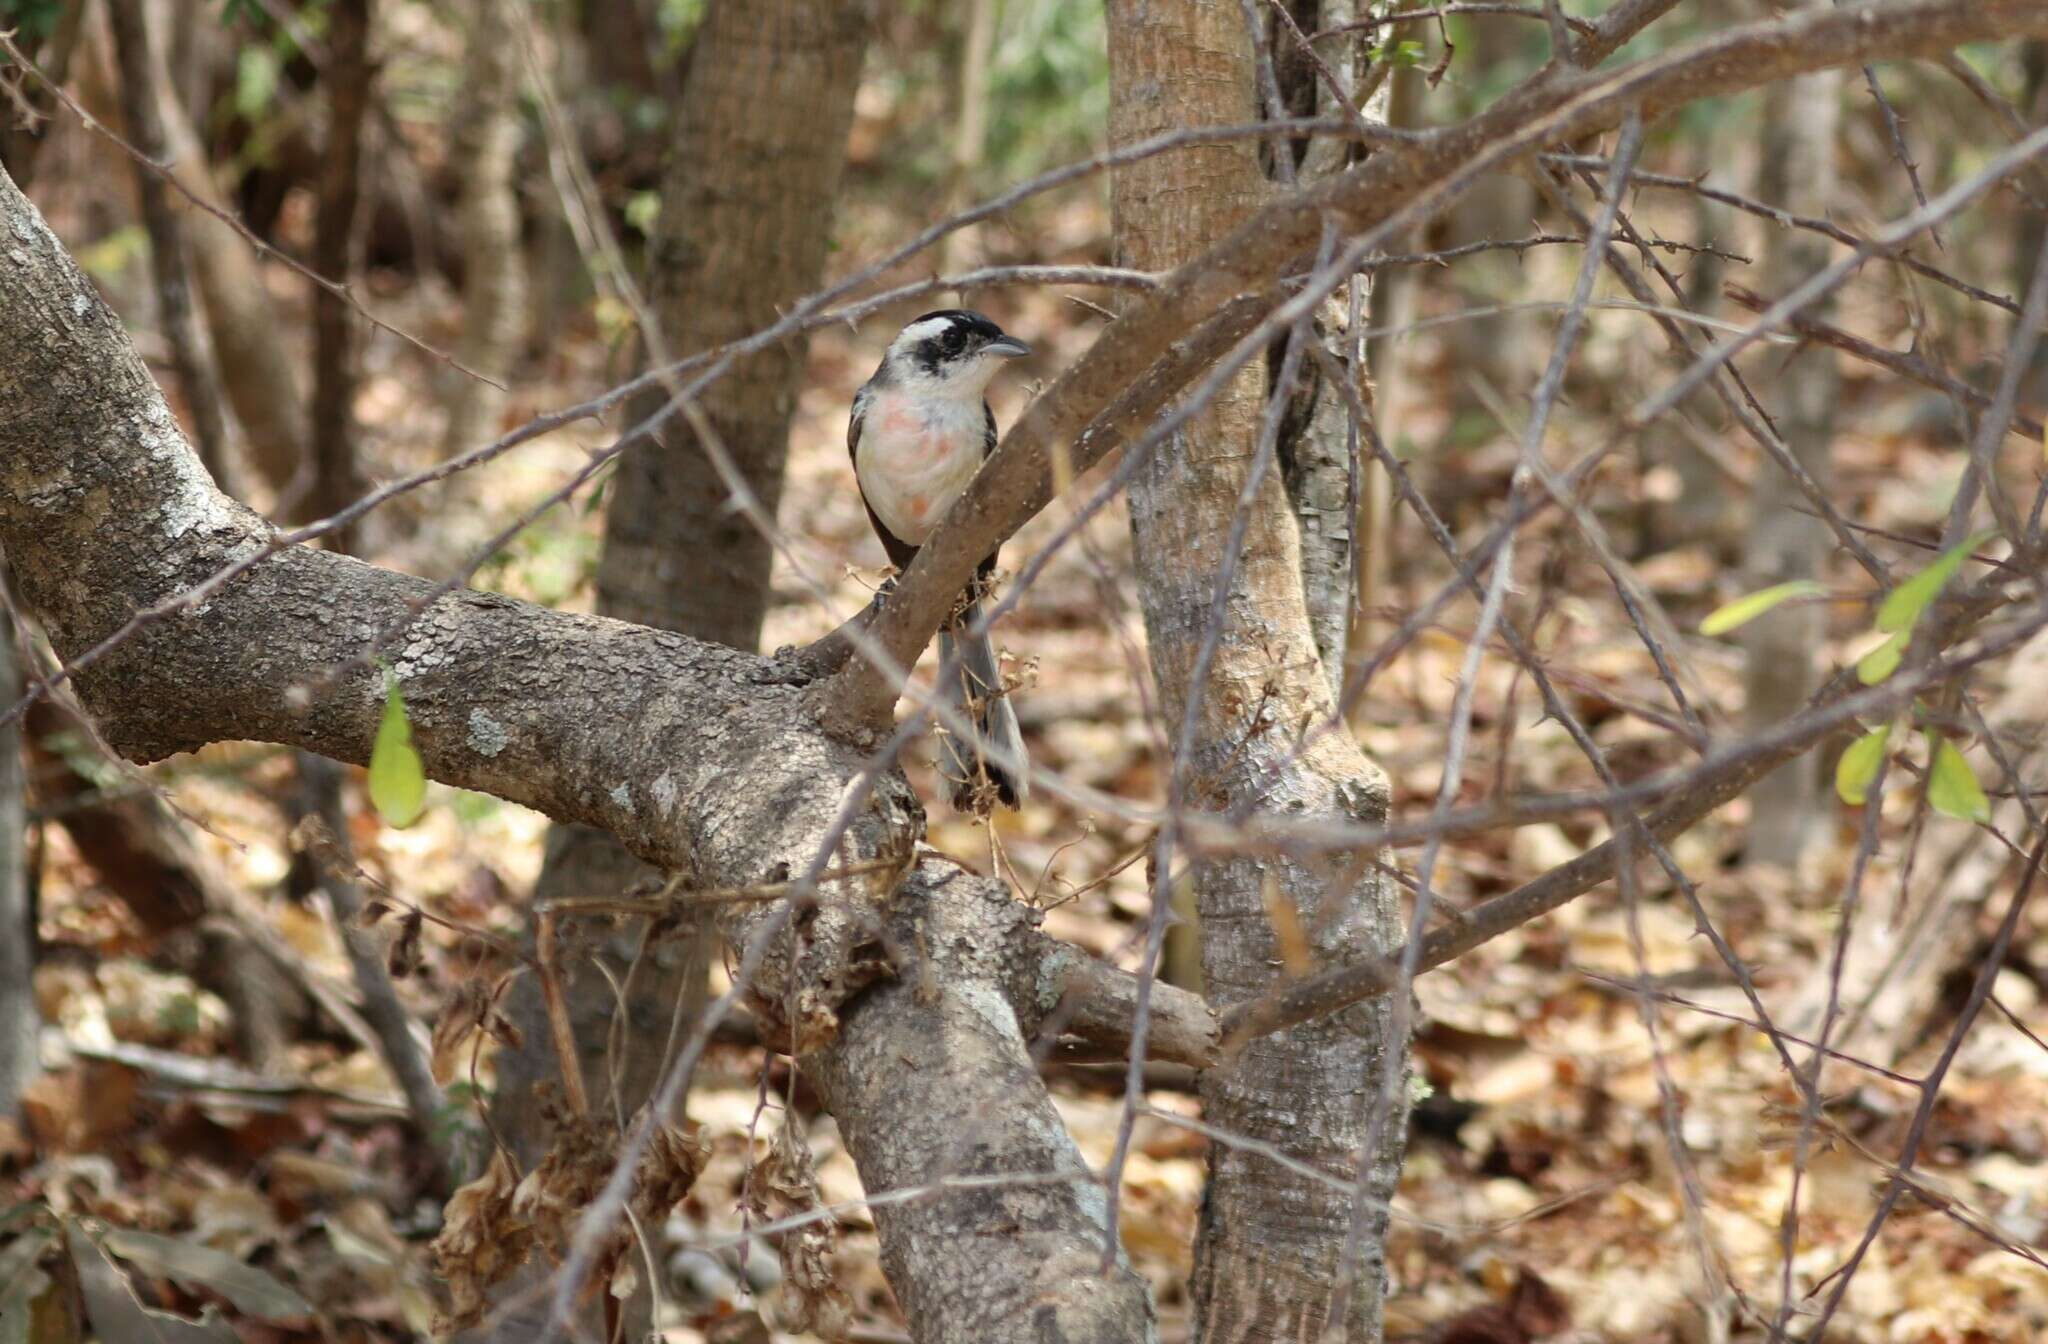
column 1246, row 291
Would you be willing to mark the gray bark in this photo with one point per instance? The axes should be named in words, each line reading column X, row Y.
column 1790, row 808
column 20, row 1024
column 1271, row 1252
column 746, row 219
column 1330, row 483
column 701, row 758
column 494, row 269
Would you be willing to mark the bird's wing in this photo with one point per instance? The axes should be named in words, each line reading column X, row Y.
column 860, row 413
column 988, row 445
column 900, row 553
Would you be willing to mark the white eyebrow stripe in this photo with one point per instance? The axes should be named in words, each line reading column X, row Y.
column 918, row 331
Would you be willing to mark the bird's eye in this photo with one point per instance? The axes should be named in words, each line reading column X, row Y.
column 953, row 342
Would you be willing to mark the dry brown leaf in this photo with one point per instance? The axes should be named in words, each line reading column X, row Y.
column 810, row 1297
column 482, row 1240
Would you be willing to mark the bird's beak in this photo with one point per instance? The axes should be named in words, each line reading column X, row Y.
column 1006, row 345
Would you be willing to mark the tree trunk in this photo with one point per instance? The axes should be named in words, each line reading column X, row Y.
column 694, row 754
column 494, row 268
column 20, row 1024
column 745, row 221
column 337, row 477
column 257, row 372
column 746, row 217
column 144, row 89
column 1789, row 809
column 1269, row 1256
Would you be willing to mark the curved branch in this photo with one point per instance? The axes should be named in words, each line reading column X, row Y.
column 698, row 757
column 1148, row 356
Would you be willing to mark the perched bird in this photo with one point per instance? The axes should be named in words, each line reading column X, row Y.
column 921, row 427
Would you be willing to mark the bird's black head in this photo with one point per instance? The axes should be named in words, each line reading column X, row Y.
column 953, row 344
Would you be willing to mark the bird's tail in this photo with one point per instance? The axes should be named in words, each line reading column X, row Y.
column 993, row 764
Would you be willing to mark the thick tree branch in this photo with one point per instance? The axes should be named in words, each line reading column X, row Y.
column 1158, row 348
column 691, row 753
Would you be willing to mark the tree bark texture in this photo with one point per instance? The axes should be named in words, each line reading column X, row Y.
column 1270, row 1245
column 700, row 757
column 494, row 268
column 1790, row 808
column 760, row 143
column 1332, row 484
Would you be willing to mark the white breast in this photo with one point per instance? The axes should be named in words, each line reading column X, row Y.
column 914, row 459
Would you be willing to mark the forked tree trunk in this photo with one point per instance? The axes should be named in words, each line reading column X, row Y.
column 1269, row 1253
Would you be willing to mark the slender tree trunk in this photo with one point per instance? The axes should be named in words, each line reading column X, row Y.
column 746, row 214
column 494, row 269
column 1269, row 1255
column 20, row 145
column 1333, row 485
column 2027, row 238
column 1394, row 297
column 20, row 1024
column 1788, row 809
column 337, row 478
column 257, row 372
column 144, row 89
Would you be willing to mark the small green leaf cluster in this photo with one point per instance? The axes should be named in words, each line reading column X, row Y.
column 1952, row 787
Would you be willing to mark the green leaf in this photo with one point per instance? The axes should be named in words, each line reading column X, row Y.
column 1743, row 610
column 113, row 254
column 256, row 72
column 1858, row 766
column 642, row 209
column 250, row 1290
column 1907, row 601
column 1952, row 787
column 398, row 781
column 1883, row 660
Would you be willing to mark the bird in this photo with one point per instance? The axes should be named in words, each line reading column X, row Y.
column 920, row 429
